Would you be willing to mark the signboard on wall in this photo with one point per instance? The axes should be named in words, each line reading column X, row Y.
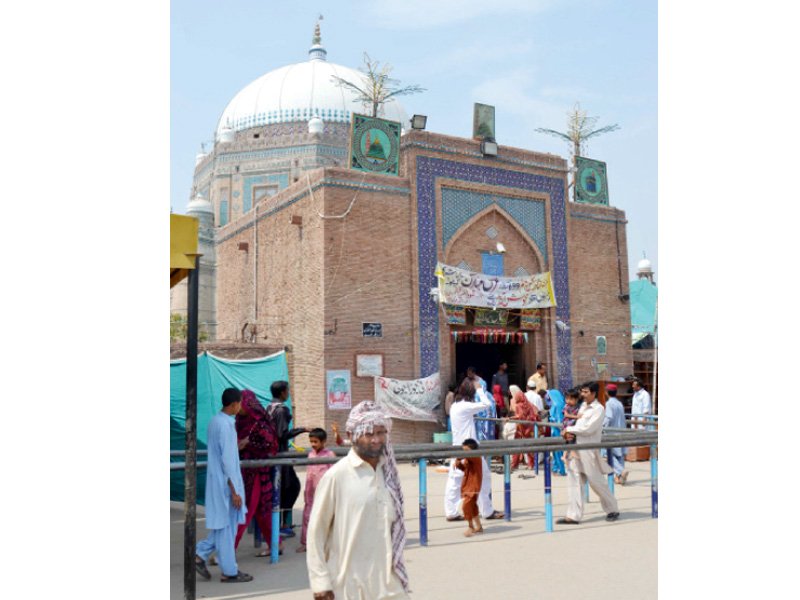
column 372, row 329
column 374, row 145
column 337, row 385
column 591, row 181
column 369, row 365
column 483, row 121
column 601, row 345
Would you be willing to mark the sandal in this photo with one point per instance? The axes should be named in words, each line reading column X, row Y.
column 456, row 518
column 200, row 566
column 267, row 552
column 496, row 515
column 239, row 577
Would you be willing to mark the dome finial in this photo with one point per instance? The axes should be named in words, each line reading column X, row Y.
column 317, row 52
column 317, row 39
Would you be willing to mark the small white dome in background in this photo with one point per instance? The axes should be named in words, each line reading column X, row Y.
column 315, row 125
column 200, row 156
column 225, row 134
column 645, row 265
column 199, row 204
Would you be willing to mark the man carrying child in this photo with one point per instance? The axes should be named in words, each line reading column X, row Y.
column 587, row 465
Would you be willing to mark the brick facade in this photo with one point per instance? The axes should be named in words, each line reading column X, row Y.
column 599, row 264
column 318, row 279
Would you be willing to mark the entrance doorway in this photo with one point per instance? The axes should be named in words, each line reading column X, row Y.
column 486, row 358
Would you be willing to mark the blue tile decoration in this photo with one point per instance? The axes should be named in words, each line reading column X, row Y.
column 428, row 170
column 492, row 264
column 459, row 206
column 282, row 179
column 289, row 116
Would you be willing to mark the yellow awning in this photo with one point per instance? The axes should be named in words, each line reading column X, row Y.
column 182, row 247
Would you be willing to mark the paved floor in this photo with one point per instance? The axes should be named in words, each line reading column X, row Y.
column 596, row 559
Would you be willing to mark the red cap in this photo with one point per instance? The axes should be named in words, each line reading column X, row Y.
column 611, row 387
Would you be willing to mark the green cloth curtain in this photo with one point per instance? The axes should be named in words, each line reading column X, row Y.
column 213, row 376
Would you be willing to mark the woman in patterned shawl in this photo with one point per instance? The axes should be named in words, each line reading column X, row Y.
column 525, row 411
column 257, row 440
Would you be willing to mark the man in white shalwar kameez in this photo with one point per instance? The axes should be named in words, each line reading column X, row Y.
column 589, row 465
column 640, row 405
column 356, row 532
column 462, row 423
column 225, row 505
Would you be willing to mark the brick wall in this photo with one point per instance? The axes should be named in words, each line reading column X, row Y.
column 368, row 279
column 596, row 268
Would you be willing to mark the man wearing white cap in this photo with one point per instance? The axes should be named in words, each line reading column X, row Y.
column 356, row 533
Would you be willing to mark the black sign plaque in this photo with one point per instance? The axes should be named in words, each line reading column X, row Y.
column 372, row 329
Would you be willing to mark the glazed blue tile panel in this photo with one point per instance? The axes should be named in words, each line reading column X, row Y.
column 459, row 206
column 282, row 179
column 223, row 212
column 492, row 264
column 428, row 169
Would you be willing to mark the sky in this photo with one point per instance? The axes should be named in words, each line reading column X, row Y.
column 531, row 59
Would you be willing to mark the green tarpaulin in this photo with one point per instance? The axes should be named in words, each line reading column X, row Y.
column 213, row 376
column 644, row 296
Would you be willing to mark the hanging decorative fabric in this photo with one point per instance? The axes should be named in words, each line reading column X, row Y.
column 456, row 315
column 488, row 335
column 530, row 319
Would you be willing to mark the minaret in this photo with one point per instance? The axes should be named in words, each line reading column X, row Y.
column 644, row 269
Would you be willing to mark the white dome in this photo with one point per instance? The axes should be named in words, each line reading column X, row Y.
column 199, row 157
column 316, row 125
column 225, row 135
column 299, row 92
column 644, row 265
column 199, row 204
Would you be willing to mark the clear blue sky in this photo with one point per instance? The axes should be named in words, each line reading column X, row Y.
column 532, row 59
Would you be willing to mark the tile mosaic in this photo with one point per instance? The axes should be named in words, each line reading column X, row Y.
column 428, row 169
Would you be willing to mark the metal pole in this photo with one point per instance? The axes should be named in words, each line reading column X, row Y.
column 586, row 491
column 548, row 496
column 535, row 454
column 190, row 474
column 423, row 501
column 654, row 480
column 275, row 542
column 507, row 485
column 611, row 483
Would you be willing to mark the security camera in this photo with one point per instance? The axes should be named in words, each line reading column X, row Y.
column 500, row 248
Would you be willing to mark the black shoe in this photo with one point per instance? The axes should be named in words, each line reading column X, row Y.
column 566, row 521
column 613, row 516
column 200, row 566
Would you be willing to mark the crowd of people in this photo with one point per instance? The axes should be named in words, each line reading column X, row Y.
column 539, row 409
column 345, row 557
